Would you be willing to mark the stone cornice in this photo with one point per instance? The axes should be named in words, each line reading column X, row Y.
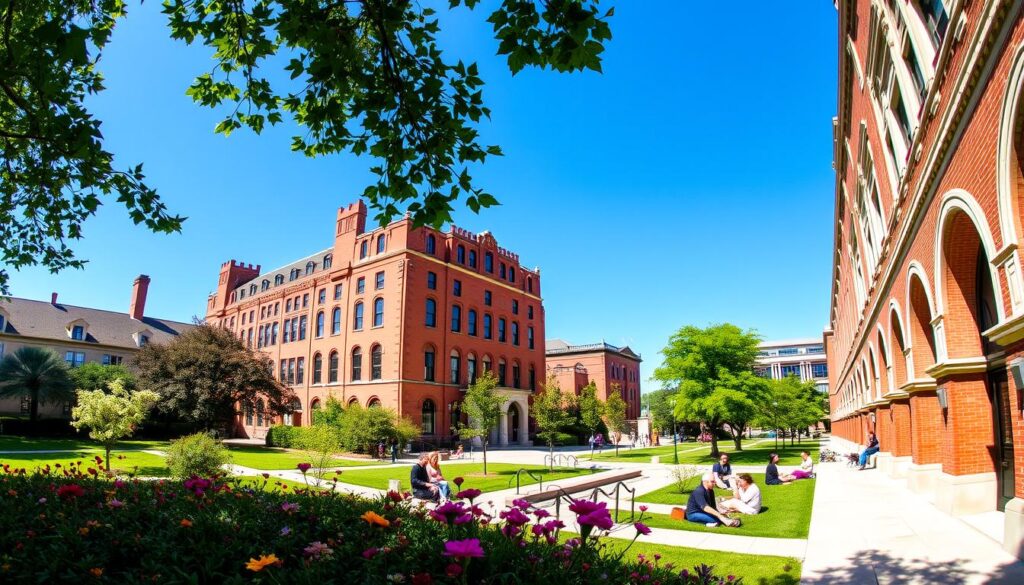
column 954, row 366
column 918, row 385
column 897, row 395
column 1007, row 332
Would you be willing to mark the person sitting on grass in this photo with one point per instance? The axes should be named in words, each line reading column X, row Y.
column 772, row 475
column 435, row 475
column 723, row 472
column 420, row 480
column 806, row 470
column 700, row 507
column 746, row 496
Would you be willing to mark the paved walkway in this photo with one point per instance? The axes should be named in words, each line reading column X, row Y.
column 869, row 529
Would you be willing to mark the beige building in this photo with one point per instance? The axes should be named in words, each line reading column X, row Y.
column 80, row 335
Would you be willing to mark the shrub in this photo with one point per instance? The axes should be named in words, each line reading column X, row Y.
column 285, row 436
column 685, row 477
column 322, row 442
column 196, row 455
column 362, row 428
column 73, row 528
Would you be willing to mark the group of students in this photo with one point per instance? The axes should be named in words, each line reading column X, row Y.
column 703, row 508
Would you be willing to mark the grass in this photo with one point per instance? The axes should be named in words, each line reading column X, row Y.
column 755, row 452
column 273, row 484
column 498, row 475
column 786, row 510
column 125, row 462
column 754, row 569
column 14, row 443
column 270, row 458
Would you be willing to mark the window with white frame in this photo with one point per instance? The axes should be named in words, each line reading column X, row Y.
column 892, row 85
column 869, row 205
column 858, row 270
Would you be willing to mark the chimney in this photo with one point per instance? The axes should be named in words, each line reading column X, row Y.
column 53, row 299
column 139, row 289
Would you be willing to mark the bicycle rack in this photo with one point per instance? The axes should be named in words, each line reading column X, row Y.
column 561, row 460
column 619, row 486
column 538, row 478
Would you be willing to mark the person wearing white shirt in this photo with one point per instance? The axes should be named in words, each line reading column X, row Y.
column 746, row 496
column 806, row 470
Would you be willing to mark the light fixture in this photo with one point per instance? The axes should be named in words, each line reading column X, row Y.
column 1017, row 371
column 943, row 397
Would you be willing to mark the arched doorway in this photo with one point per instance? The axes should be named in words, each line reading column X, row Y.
column 513, row 423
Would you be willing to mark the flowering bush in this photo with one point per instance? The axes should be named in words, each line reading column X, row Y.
column 67, row 526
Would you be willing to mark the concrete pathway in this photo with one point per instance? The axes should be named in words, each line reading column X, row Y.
column 869, row 529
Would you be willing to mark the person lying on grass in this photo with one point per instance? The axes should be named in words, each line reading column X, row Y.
column 700, row 507
column 746, row 496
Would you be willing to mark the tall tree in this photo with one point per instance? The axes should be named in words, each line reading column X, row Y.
column 205, row 375
column 703, row 364
column 38, row 374
column 661, row 404
column 483, row 405
column 615, row 415
column 94, row 376
column 552, row 411
column 357, row 76
column 739, row 395
column 590, row 409
column 111, row 415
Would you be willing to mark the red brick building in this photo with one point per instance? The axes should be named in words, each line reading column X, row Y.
column 927, row 314
column 399, row 316
column 610, row 368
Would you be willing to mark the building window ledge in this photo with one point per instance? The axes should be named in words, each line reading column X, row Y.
column 954, row 366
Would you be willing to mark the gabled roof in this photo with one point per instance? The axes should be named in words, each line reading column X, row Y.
column 42, row 320
column 562, row 347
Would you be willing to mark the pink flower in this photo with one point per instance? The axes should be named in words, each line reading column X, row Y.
column 370, row 552
column 453, row 570
column 552, row 525
column 115, row 503
column 581, row 507
column 541, row 513
column 642, row 528
column 289, row 507
column 514, row 516
column 463, row 549
column 448, row 512
column 521, row 504
column 304, row 467
column 317, row 550
column 70, row 491
column 468, row 494
column 643, row 509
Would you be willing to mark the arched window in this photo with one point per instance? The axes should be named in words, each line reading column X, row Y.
column 471, row 322
column 310, row 267
column 381, row 243
column 378, row 312
column 357, row 364
column 431, row 244
column 279, row 280
column 363, row 247
column 328, row 261
column 252, row 289
column 427, row 416
column 332, row 368
column 259, row 413
column 376, row 360
column 529, row 284
column 460, row 254
column 472, row 258
column 353, row 400
column 336, row 320
column 431, row 313
column 502, row 370
column 456, row 318
column 487, row 363
column 515, row 374
column 320, row 324
column 471, row 368
column 248, row 412
column 429, row 361
column 318, row 367
column 293, row 274
column 265, row 284
column 373, row 403
column 453, row 374
column 357, row 316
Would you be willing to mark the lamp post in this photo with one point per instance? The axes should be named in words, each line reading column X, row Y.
column 675, row 435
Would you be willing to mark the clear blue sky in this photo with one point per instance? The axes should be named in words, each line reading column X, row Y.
column 690, row 183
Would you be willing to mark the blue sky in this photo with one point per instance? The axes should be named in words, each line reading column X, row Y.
column 690, row 183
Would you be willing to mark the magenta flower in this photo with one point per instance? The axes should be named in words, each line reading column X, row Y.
column 370, row 552
column 448, row 512
column 642, row 528
column 552, row 525
column 581, row 507
column 643, row 509
column 514, row 516
column 458, row 482
column 521, row 504
column 463, row 549
column 304, row 467
column 289, row 507
column 468, row 494
column 541, row 513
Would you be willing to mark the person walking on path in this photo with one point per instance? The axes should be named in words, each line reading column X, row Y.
column 394, row 451
column 871, row 449
column 700, row 507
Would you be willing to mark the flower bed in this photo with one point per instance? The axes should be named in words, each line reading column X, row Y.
column 66, row 526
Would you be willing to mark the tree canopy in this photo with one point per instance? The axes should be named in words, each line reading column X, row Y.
column 482, row 404
column 94, row 376
column 365, row 77
column 111, row 414
column 553, row 412
column 37, row 374
column 203, row 375
column 711, row 368
column 590, row 408
column 790, row 404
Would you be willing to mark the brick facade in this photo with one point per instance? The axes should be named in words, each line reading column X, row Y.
column 611, row 369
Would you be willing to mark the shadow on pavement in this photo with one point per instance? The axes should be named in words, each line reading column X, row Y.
column 874, row 566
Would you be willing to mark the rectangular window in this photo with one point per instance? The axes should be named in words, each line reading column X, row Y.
column 936, row 19
column 457, row 288
column 321, row 296
column 288, row 306
column 428, row 366
column 515, row 376
column 305, row 300
column 291, row 371
column 456, row 318
column 515, row 307
column 75, row 358
column 487, row 298
column 819, row 370
column 432, row 281
column 789, row 351
column 300, row 370
column 361, row 285
column 501, row 374
column 529, row 337
column 379, row 282
column 791, row 370
column 487, row 326
column 501, row 330
column 472, row 258
column 529, row 312
column 78, row 333
column 284, row 371
column 337, row 292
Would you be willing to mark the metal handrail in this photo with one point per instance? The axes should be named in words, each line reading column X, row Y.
column 561, row 460
column 538, row 478
column 562, row 494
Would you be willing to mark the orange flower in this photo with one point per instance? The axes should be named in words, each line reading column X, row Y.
column 185, row 523
column 264, row 561
column 372, row 517
column 83, row 531
column 96, row 572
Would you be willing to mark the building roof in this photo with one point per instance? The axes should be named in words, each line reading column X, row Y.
column 285, row 271
column 795, row 341
column 562, row 347
column 42, row 320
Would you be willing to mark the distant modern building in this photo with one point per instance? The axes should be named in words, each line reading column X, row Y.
column 608, row 366
column 400, row 316
column 80, row 335
column 804, row 358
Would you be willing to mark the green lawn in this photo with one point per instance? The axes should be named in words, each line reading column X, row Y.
column 754, row 569
column 785, row 510
column 271, row 458
column 272, row 484
column 124, row 462
column 755, row 452
column 498, row 475
column 14, row 443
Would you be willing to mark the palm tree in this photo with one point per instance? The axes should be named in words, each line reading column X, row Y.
column 37, row 373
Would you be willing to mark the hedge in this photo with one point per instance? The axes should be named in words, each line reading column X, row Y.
column 285, row 436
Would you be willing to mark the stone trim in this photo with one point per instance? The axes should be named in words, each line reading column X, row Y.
column 954, row 366
column 918, row 385
column 1007, row 332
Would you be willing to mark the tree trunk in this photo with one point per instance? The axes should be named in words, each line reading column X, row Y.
column 737, row 439
column 551, row 453
column 484, row 443
column 33, row 411
column 107, row 447
column 714, row 445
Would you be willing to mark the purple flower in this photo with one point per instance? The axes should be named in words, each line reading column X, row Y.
column 642, row 528
column 303, row 467
column 510, row 530
column 552, row 525
column 448, row 512
column 289, row 507
column 468, row 494
column 463, row 549
column 370, row 552
column 541, row 513
column 286, row 531
column 538, row 530
column 514, row 516
column 115, row 503
column 582, row 507
column 316, row 550
column 521, row 504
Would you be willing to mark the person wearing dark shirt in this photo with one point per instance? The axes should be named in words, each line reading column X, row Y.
column 771, row 473
column 871, row 449
column 700, row 507
column 723, row 472
column 420, row 481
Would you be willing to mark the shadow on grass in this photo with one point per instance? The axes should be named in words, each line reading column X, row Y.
column 876, row 566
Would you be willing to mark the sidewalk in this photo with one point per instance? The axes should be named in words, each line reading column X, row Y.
column 869, row 529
